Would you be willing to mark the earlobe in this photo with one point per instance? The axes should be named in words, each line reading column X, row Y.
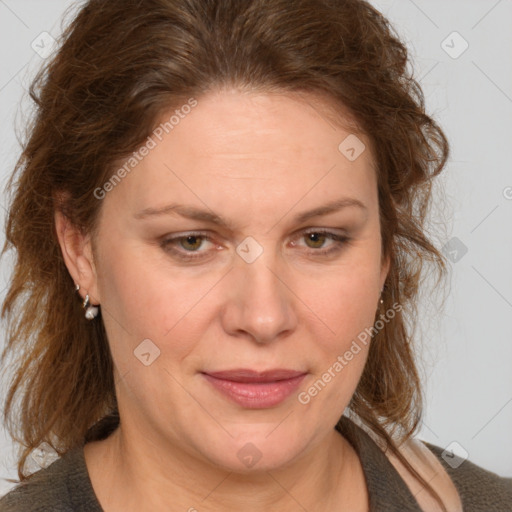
column 77, row 254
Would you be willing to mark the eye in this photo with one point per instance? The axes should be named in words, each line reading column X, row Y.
column 192, row 242
column 186, row 247
column 315, row 239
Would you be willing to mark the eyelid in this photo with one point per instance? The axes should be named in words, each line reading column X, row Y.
column 179, row 236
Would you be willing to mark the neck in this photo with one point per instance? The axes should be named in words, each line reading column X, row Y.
column 130, row 472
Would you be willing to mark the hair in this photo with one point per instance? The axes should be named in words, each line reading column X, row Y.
column 119, row 66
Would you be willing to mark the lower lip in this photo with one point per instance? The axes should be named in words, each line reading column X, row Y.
column 252, row 395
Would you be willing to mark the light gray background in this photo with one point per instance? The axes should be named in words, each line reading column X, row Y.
column 467, row 350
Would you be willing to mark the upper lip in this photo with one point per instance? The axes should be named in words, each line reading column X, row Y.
column 246, row 375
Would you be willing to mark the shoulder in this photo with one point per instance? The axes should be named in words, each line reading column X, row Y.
column 44, row 490
column 57, row 488
column 478, row 488
column 462, row 485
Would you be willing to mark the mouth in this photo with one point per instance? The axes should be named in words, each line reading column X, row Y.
column 256, row 390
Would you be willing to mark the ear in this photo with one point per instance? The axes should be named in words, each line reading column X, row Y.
column 385, row 266
column 78, row 256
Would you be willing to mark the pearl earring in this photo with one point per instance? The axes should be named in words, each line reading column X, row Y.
column 91, row 311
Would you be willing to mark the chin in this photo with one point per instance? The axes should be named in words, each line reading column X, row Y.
column 253, row 453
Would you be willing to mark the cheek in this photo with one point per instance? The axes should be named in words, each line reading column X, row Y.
column 131, row 302
column 149, row 301
column 346, row 303
column 129, row 291
column 348, row 308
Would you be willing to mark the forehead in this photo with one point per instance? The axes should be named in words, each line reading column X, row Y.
column 267, row 122
column 254, row 149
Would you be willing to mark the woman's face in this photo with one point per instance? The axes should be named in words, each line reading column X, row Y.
column 183, row 295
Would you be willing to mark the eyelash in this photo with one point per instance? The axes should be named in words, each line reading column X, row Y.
column 187, row 255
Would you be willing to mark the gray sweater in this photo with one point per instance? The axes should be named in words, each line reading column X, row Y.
column 65, row 486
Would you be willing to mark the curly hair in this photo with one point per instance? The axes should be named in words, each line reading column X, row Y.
column 120, row 64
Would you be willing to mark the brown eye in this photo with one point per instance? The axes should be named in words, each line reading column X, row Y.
column 318, row 239
column 187, row 247
column 191, row 242
column 315, row 240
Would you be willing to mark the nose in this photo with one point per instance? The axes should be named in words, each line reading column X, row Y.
column 260, row 305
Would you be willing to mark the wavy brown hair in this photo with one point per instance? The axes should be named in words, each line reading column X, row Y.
column 120, row 64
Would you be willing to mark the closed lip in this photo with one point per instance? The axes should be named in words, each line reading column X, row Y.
column 247, row 375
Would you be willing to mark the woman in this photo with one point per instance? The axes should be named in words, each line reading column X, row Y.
column 235, row 192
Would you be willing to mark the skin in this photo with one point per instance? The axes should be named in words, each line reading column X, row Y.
column 258, row 160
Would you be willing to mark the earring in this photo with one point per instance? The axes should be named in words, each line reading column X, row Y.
column 90, row 310
column 381, row 299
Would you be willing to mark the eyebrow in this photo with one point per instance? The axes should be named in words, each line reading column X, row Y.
column 194, row 213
